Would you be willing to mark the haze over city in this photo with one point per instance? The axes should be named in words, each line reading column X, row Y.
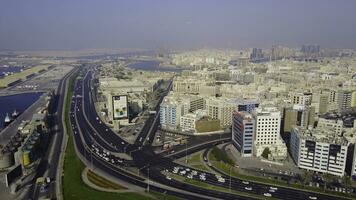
column 183, row 24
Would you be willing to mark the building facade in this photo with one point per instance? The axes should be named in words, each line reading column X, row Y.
column 319, row 150
column 267, row 133
column 243, row 128
column 221, row 109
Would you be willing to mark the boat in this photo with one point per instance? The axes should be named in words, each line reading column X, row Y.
column 7, row 120
column 15, row 114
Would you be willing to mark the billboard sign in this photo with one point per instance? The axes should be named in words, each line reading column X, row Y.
column 120, row 109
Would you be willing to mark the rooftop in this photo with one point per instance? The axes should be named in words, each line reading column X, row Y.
column 324, row 135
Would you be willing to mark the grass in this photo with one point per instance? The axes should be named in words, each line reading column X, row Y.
column 163, row 196
column 73, row 186
column 21, row 75
column 196, row 162
column 224, row 167
column 102, row 182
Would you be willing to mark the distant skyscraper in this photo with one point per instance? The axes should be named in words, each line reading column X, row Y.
column 310, row 49
column 256, row 54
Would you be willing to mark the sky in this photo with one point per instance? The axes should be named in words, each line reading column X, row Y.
column 175, row 24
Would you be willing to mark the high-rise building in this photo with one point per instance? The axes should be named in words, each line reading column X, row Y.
column 170, row 113
column 243, row 128
column 256, row 54
column 344, row 100
column 353, row 99
column 267, row 133
column 298, row 116
column 319, row 150
column 323, row 103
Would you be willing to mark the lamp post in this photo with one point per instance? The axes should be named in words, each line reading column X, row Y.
column 148, row 185
column 186, row 152
column 230, row 178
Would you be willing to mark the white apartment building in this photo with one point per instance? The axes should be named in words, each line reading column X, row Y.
column 221, row 109
column 188, row 121
column 303, row 99
column 267, row 133
column 334, row 124
column 170, row 113
column 319, row 150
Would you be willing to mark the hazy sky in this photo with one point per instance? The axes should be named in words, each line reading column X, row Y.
column 81, row 24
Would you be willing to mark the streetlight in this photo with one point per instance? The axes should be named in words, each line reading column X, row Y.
column 230, row 179
column 148, row 185
column 186, row 152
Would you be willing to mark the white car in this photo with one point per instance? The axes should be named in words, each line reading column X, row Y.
column 221, row 180
column 267, row 194
column 271, row 191
column 183, row 172
column 245, row 182
column 168, row 178
column 248, row 188
column 190, row 176
column 273, row 188
column 202, row 178
column 313, row 198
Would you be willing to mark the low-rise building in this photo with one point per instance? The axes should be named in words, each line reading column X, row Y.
column 222, row 109
column 188, row 121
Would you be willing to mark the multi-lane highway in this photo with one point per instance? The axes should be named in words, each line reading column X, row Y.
column 96, row 144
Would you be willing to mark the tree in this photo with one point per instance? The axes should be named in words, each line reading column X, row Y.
column 307, row 177
column 327, row 178
column 346, row 181
column 265, row 153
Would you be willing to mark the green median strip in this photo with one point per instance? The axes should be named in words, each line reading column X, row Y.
column 195, row 161
column 102, row 182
